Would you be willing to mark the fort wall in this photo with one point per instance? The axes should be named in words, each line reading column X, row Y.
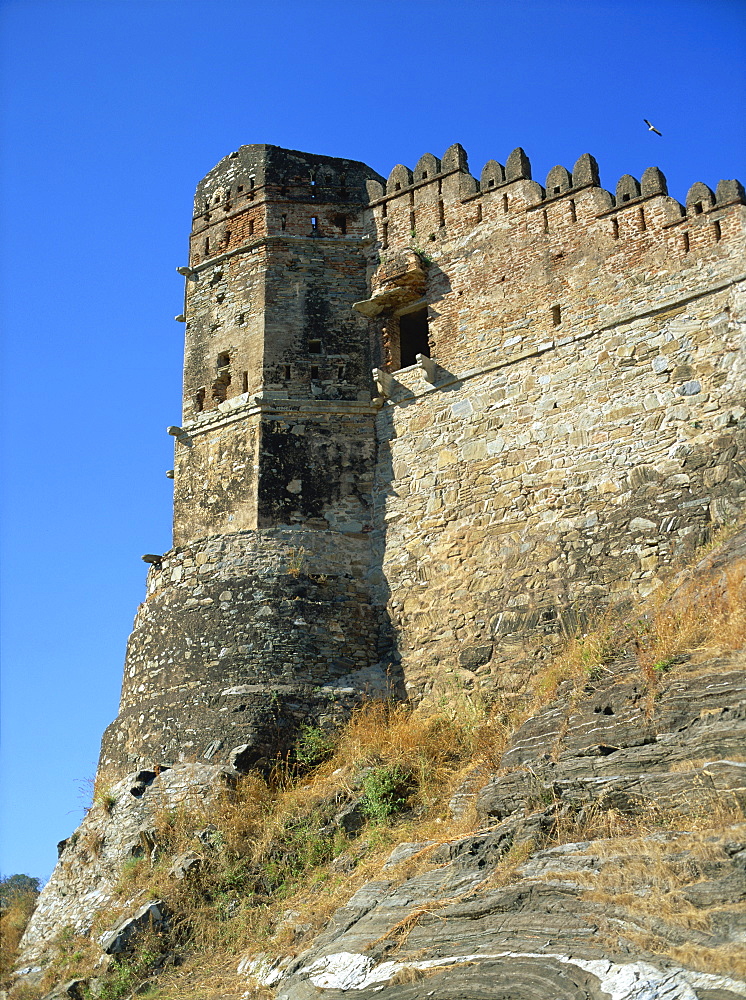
column 581, row 420
column 242, row 638
column 557, row 411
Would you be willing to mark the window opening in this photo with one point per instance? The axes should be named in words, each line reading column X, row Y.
column 314, row 223
column 413, row 337
column 698, row 208
column 643, row 221
column 441, row 214
column 479, row 213
column 397, row 186
column 545, row 220
column 615, row 228
column 240, row 188
column 573, row 211
column 505, row 203
column 251, row 183
column 412, row 224
column 199, row 400
column 224, row 360
column 686, row 243
column 287, row 372
column 251, row 227
column 424, row 175
column 384, row 210
column 557, row 189
column 491, row 182
column 283, row 222
column 314, row 371
column 207, row 245
column 244, row 382
column 625, row 196
column 314, row 347
column 341, row 371
column 241, row 319
column 340, row 221
column 717, row 231
column 556, row 315
column 385, row 236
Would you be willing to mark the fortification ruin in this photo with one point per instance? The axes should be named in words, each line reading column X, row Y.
column 428, row 422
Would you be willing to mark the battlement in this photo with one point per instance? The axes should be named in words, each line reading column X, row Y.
column 533, row 249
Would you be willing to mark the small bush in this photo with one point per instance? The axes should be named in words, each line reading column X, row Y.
column 313, row 746
column 386, row 790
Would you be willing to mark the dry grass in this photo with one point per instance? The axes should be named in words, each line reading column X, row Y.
column 273, row 846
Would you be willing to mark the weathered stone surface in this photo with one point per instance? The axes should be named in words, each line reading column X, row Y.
column 122, row 937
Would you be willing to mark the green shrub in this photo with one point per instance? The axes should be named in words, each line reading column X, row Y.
column 313, row 746
column 386, row 790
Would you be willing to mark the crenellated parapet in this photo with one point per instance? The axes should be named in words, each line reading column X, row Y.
column 532, row 249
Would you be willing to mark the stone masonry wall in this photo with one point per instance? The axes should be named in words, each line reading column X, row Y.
column 581, row 422
column 242, row 638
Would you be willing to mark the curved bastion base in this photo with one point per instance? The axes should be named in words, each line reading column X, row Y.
column 241, row 639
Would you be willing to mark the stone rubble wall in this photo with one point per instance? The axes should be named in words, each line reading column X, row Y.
column 580, row 424
column 512, row 499
column 241, row 639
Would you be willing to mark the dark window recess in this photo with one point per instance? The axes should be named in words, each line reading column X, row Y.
column 413, row 337
column 643, row 221
column 241, row 319
column 441, row 214
column 545, row 221
column 615, row 228
column 283, row 222
column 341, row 371
column 207, row 245
column 479, row 213
column 251, row 183
column 384, row 210
column 573, row 211
column 251, row 227
column 397, row 186
column 314, row 223
column 505, row 203
column 385, row 235
column 491, row 182
column 314, row 347
column 227, row 237
column 224, row 361
column 686, row 242
column 240, row 188
column 199, row 400
column 245, row 382
column 698, row 208
column 557, row 190
column 625, row 196
column 314, row 371
column 412, row 225
column 556, row 315
column 717, row 230
column 219, row 391
column 340, row 221
column 286, row 375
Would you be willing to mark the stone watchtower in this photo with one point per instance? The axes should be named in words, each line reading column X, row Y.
column 260, row 615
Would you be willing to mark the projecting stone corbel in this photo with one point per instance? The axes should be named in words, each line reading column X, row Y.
column 384, row 383
column 428, row 367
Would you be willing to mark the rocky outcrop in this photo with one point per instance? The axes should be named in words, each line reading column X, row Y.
column 119, row 829
column 567, row 893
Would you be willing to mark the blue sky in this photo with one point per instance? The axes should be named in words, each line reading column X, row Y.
column 111, row 112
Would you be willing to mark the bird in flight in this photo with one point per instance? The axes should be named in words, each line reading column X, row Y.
column 652, row 128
